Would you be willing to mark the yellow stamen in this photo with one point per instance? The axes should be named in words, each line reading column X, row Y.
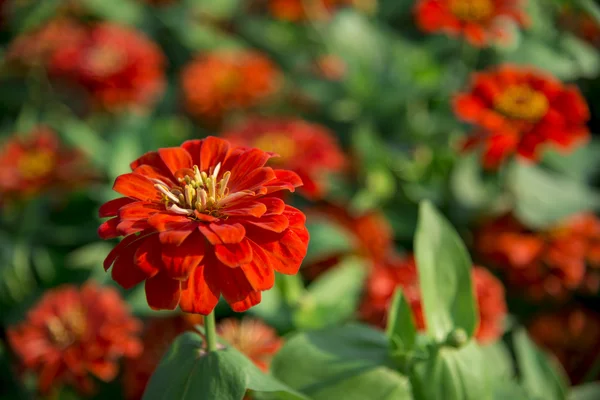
column 522, row 103
column 472, row 10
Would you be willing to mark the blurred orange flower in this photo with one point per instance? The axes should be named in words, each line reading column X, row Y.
column 299, row 10
column 253, row 338
column 519, row 110
column 479, row 21
column 217, row 83
column 401, row 272
column 546, row 263
column 203, row 220
column 37, row 162
column 73, row 333
column 308, row 149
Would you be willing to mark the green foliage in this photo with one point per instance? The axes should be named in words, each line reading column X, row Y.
column 401, row 330
column 590, row 391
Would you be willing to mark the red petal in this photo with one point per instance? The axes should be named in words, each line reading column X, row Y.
column 249, row 160
column 231, row 282
column 153, row 159
column 234, row 254
column 111, row 208
column 108, row 229
column 196, row 296
column 468, row 107
column 247, row 208
column 125, row 272
column 152, row 172
column 275, row 223
column 162, row 292
column 147, row 256
column 168, row 222
column 212, row 237
column 251, row 180
column 193, row 147
column 285, row 180
column 229, row 233
column 176, row 237
column 129, row 226
column 274, row 205
column 175, row 158
column 139, row 210
column 120, row 248
column 243, row 305
column 259, row 272
column 136, row 186
column 180, row 261
column 213, row 151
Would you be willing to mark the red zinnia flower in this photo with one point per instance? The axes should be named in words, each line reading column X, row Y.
column 573, row 336
column 402, row 272
column 203, row 220
column 308, row 149
column 158, row 335
column 254, row 339
column 37, row 162
column 118, row 66
column 551, row 262
column 74, row 333
column 217, row 83
column 518, row 110
column 479, row 21
column 299, row 10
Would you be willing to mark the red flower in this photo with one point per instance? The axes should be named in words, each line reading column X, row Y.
column 479, row 21
column 300, row 10
column 573, row 336
column 548, row 263
column 158, row 335
column 217, row 83
column 74, row 333
column 518, row 110
column 330, row 67
column 308, row 149
column 118, row 66
column 203, row 220
column 37, row 162
column 402, row 272
column 254, row 339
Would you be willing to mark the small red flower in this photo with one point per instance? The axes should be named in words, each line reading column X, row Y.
column 402, row 272
column 479, row 21
column 308, row 149
column 519, row 110
column 74, row 333
column 203, row 220
column 217, row 83
column 118, row 66
column 573, row 336
column 254, row 339
column 300, row 10
column 38, row 162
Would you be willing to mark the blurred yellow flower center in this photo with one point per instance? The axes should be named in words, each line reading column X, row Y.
column 522, row 102
column 276, row 142
column 36, row 164
column 472, row 10
column 104, row 60
column 227, row 80
column 68, row 328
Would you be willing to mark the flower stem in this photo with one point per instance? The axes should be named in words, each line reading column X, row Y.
column 211, row 332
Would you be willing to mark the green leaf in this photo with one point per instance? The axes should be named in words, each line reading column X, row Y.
column 188, row 372
column 327, row 239
column 499, row 363
column 590, row 391
column 79, row 134
column 349, row 362
column 401, row 330
column 509, row 391
column 333, row 297
column 126, row 143
column 540, row 376
column 581, row 164
column 125, row 11
column 468, row 184
column 543, row 198
column 444, row 274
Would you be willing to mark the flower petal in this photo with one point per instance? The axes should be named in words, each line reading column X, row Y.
column 108, row 229
column 162, row 292
column 229, row 233
column 147, row 256
column 274, row 205
column 259, row 271
column 212, row 237
column 175, row 158
column 168, row 222
column 214, row 150
column 275, row 223
column 136, row 186
column 231, row 282
column 251, row 300
column 180, row 261
column 234, row 254
column 111, row 208
column 152, row 159
column 193, row 147
column 196, row 295
column 125, row 271
column 252, row 180
column 247, row 208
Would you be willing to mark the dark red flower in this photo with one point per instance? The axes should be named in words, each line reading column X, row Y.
column 519, row 110
column 573, row 336
column 396, row 272
column 300, row 10
column 118, row 66
column 217, row 83
column 37, row 162
column 308, row 149
column 158, row 335
column 479, row 21
column 74, row 333
column 203, row 220
column 254, row 339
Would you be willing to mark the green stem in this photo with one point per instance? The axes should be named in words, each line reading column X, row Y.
column 211, row 332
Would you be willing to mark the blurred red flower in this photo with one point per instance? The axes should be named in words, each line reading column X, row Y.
column 402, row 272
column 519, row 110
column 573, row 336
column 118, row 66
column 217, row 83
column 73, row 333
column 479, row 21
column 330, row 67
column 300, row 10
column 203, row 220
column 37, row 162
column 158, row 335
column 253, row 338
column 308, row 149
column 546, row 263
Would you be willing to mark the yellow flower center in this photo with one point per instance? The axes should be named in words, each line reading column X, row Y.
column 228, row 80
column 276, row 143
column 522, row 102
column 472, row 10
column 36, row 164
column 105, row 60
column 68, row 328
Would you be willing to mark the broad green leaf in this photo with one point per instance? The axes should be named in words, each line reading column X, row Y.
column 125, row 11
column 273, row 308
column 79, row 134
column 348, row 362
column 188, row 372
column 327, row 239
column 540, row 376
column 581, row 164
column 509, row 391
column 468, row 184
column 543, row 198
column 589, row 391
column 401, row 330
column 499, row 363
column 444, row 274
